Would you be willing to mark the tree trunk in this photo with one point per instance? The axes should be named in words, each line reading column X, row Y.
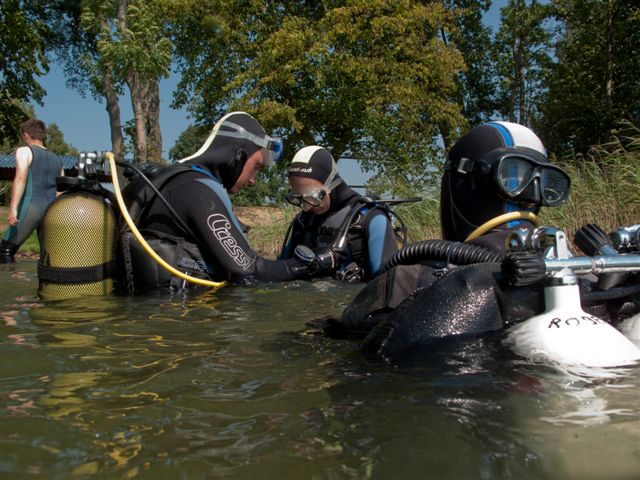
column 608, row 70
column 152, row 109
column 137, row 104
column 113, row 109
column 137, row 97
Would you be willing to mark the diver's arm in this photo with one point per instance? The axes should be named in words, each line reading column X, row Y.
column 24, row 156
column 219, row 232
column 381, row 241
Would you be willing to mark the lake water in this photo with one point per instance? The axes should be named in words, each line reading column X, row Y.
column 233, row 384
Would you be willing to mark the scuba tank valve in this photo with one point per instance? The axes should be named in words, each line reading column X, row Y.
column 564, row 333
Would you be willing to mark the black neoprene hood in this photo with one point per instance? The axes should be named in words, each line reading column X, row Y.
column 225, row 156
column 468, row 200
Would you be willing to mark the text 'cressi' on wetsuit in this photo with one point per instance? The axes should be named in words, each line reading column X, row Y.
column 204, row 205
column 39, row 192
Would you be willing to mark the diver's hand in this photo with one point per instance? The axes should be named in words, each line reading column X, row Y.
column 328, row 260
column 12, row 217
column 322, row 261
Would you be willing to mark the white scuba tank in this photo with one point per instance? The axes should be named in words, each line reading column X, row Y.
column 567, row 335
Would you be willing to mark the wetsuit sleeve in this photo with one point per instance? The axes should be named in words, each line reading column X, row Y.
column 206, row 208
column 381, row 240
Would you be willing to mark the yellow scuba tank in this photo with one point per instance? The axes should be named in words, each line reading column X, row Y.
column 77, row 251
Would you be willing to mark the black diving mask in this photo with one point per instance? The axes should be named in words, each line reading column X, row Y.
column 514, row 170
column 513, row 174
column 314, row 199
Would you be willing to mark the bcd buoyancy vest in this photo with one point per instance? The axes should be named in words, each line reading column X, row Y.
column 137, row 270
column 307, row 231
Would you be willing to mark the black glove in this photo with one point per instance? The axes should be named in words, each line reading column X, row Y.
column 352, row 273
column 323, row 261
column 328, row 260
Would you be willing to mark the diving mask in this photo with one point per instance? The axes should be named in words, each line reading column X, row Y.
column 514, row 170
column 315, row 198
column 273, row 145
column 514, row 174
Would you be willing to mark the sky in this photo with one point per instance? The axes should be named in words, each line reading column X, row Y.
column 85, row 123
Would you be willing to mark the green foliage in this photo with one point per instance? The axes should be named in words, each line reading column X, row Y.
column 56, row 142
column 477, row 82
column 594, row 83
column 372, row 79
column 136, row 42
column 22, row 59
column 5, row 191
column 271, row 187
column 522, row 52
column 32, row 244
column 188, row 143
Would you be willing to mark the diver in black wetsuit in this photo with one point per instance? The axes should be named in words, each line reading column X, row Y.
column 330, row 209
column 33, row 189
column 496, row 169
column 205, row 238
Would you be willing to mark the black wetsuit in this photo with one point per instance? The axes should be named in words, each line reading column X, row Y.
column 371, row 239
column 410, row 307
column 201, row 201
column 39, row 192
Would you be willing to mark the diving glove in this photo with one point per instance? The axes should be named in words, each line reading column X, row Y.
column 323, row 261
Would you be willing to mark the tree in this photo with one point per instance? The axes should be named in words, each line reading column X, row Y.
column 189, row 142
column 133, row 49
column 56, row 142
column 477, row 81
column 594, row 83
column 75, row 45
column 370, row 79
column 22, row 59
column 523, row 55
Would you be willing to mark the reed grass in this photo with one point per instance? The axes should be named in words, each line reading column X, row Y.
column 267, row 235
column 605, row 186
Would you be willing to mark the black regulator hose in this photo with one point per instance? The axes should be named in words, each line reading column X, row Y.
column 455, row 252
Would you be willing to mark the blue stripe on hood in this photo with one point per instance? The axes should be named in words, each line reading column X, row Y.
column 504, row 132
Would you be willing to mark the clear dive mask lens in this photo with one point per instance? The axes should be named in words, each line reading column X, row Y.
column 514, row 173
column 273, row 145
column 314, row 199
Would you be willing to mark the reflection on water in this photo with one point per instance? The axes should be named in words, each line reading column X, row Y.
column 233, row 384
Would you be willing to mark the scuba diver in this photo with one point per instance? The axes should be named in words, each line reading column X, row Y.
column 496, row 179
column 335, row 216
column 189, row 220
column 33, row 189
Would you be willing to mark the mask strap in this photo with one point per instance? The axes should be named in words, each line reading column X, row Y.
column 332, row 180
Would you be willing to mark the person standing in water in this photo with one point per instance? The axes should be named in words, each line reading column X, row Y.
column 33, row 189
column 331, row 210
column 195, row 228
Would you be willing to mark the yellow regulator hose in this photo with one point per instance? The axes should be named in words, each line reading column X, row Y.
column 507, row 217
column 143, row 242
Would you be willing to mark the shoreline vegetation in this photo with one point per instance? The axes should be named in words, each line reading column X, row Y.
column 605, row 190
